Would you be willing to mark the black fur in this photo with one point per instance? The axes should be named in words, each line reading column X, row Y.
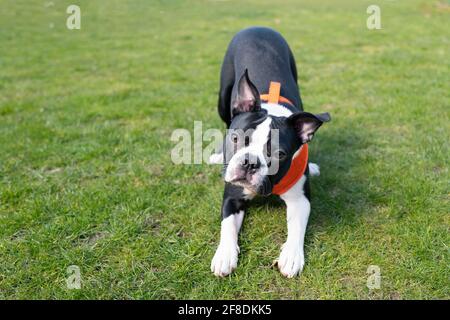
column 267, row 57
column 262, row 55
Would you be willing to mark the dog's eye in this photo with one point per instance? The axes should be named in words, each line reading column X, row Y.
column 279, row 154
column 234, row 138
column 247, row 141
column 268, row 148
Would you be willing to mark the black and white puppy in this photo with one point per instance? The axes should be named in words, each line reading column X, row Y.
column 262, row 55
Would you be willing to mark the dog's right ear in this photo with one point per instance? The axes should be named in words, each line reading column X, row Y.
column 247, row 99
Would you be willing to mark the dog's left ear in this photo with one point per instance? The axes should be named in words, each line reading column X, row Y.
column 247, row 99
column 306, row 124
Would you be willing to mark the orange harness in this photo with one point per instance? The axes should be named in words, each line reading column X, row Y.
column 300, row 159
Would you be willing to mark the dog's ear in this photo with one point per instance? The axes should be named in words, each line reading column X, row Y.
column 306, row 124
column 247, row 99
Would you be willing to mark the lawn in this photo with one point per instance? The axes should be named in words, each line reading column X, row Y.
column 86, row 177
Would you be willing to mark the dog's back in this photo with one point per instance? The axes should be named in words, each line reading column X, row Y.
column 267, row 57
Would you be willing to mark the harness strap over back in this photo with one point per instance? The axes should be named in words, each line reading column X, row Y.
column 300, row 158
column 274, row 94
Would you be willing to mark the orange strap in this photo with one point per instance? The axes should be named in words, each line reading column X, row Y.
column 300, row 159
column 274, row 94
column 295, row 172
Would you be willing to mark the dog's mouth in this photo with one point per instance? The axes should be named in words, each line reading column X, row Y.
column 262, row 187
column 242, row 181
column 243, row 178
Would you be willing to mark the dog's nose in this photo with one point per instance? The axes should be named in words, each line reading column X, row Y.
column 250, row 162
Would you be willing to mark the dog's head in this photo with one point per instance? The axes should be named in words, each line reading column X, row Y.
column 259, row 147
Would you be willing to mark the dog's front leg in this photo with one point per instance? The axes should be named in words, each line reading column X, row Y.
column 226, row 257
column 292, row 258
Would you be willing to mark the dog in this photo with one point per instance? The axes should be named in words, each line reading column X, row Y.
column 258, row 97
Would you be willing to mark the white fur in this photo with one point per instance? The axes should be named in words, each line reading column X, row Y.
column 276, row 110
column 260, row 135
column 314, row 169
column 226, row 257
column 216, row 158
column 248, row 194
column 238, row 219
column 292, row 258
column 256, row 148
column 273, row 109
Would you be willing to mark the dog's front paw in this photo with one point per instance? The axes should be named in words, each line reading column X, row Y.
column 291, row 260
column 225, row 260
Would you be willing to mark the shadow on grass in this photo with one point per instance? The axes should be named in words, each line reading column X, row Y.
column 339, row 193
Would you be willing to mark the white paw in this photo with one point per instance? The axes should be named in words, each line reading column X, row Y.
column 225, row 260
column 216, row 158
column 291, row 260
column 314, row 169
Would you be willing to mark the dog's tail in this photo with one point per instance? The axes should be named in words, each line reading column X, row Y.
column 314, row 169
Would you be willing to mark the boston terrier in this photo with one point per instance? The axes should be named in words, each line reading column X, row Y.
column 259, row 101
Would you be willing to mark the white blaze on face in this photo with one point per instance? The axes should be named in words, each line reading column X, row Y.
column 258, row 140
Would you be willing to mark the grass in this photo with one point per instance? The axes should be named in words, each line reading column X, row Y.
column 85, row 171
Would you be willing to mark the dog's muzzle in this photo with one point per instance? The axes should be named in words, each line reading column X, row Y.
column 248, row 171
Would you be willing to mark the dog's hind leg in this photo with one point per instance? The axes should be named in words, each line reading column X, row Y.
column 314, row 169
column 216, row 158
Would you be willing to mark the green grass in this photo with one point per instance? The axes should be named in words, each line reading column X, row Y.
column 85, row 171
